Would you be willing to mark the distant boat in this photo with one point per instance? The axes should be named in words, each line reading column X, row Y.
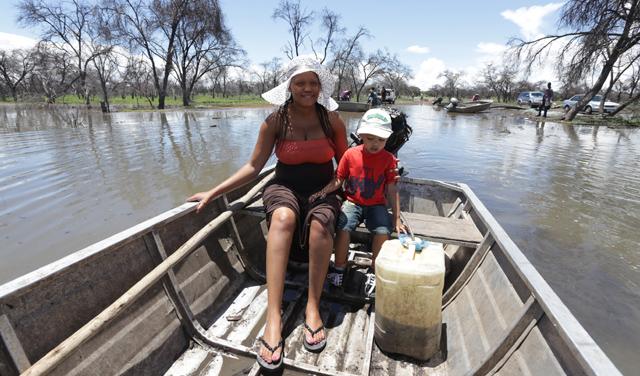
column 470, row 107
column 352, row 106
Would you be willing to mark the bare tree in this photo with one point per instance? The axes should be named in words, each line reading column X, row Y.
column 150, row 28
column 597, row 25
column 298, row 20
column 15, row 66
column 500, row 81
column 396, row 75
column 346, row 54
column 53, row 71
column 331, row 26
column 203, row 44
column 139, row 79
column 367, row 69
column 64, row 25
column 270, row 74
column 451, row 80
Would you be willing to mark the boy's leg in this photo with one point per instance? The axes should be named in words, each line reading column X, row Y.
column 342, row 248
column 348, row 219
column 376, row 244
column 378, row 222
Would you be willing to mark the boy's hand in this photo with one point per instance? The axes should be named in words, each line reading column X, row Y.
column 400, row 227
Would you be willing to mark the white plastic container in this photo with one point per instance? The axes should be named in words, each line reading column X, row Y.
column 409, row 299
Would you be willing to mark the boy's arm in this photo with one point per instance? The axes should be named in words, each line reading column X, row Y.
column 394, row 199
column 333, row 185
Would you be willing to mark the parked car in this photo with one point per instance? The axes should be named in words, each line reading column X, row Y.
column 390, row 97
column 532, row 98
column 593, row 105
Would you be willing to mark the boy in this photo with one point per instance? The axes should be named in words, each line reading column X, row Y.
column 368, row 171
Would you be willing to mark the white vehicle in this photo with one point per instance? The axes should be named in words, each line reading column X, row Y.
column 532, row 98
column 390, row 97
column 593, row 105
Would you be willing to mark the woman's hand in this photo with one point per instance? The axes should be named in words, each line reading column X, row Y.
column 400, row 227
column 318, row 195
column 203, row 198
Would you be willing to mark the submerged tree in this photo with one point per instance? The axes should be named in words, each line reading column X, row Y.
column 15, row 66
column 65, row 25
column 602, row 32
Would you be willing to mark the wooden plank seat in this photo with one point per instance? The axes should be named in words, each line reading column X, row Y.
column 440, row 229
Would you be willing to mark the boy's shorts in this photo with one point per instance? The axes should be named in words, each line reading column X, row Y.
column 375, row 217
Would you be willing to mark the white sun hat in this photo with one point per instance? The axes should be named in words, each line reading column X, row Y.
column 301, row 64
column 376, row 122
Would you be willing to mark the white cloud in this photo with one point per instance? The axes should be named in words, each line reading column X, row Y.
column 529, row 19
column 427, row 73
column 418, row 49
column 13, row 41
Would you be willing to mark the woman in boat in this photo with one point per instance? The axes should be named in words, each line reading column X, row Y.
column 307, row 135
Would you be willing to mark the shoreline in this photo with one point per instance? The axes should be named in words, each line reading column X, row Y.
column 625, row 120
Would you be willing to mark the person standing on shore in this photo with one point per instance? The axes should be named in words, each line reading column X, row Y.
column 547, row 98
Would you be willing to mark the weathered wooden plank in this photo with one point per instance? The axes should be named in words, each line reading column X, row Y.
column 583, row 347
column 469, row 269
column 55, row 356
column 530, row 314
column 12, row 345
column 443, row 229
column 368, row 352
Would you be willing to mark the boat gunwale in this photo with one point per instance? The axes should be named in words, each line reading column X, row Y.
column 26, row 281
column 117, row 240
column 578, row 340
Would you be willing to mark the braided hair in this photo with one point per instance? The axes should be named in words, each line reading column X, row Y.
column 283, row 122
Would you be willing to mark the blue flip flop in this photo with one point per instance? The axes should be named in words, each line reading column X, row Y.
column 315, row 347
column 263, row 363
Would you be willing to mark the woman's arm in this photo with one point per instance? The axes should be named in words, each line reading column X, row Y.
column 332, row 186
column 261, row 153
column 339, row 134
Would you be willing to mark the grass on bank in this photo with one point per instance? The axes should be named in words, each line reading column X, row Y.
column 142, row 103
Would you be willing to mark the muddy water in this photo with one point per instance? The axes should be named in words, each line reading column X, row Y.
column 569, row 196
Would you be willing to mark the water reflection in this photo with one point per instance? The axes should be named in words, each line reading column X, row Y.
column 568, row 195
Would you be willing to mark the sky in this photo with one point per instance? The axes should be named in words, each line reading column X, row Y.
column 427, row 36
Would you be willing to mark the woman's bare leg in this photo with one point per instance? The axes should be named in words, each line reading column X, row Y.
column 320, row 246
column 281, row 229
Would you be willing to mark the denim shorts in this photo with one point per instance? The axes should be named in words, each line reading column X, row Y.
column 375, row 217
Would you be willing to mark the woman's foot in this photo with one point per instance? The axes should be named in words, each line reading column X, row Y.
column 314, row 333
column 272, row 336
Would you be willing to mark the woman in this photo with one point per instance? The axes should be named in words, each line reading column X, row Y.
column 307, row 136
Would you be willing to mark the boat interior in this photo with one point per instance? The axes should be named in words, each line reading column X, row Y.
column 202, row 315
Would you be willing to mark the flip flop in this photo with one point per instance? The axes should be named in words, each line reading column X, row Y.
column 316, row 347
column 263, row 363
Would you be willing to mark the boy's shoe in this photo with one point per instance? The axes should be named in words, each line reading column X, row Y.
column 370, row 285
column 335, row 276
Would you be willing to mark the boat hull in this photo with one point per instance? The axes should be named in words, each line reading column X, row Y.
column 498, row 313
column 352, row 106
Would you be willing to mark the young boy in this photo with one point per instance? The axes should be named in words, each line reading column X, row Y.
column 368, row 171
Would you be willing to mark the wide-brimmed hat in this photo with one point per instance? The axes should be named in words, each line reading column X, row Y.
column 301, row 64
column 376, row 122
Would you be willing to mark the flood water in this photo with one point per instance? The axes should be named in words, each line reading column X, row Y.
column 569, row 196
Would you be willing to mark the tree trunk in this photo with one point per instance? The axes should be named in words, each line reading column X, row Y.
column 14, row 93
column 186, row 97
column 161, row 97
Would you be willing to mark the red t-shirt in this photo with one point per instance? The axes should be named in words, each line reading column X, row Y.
column 366, row 175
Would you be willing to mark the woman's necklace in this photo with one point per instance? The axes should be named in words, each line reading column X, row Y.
column 304, row 129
